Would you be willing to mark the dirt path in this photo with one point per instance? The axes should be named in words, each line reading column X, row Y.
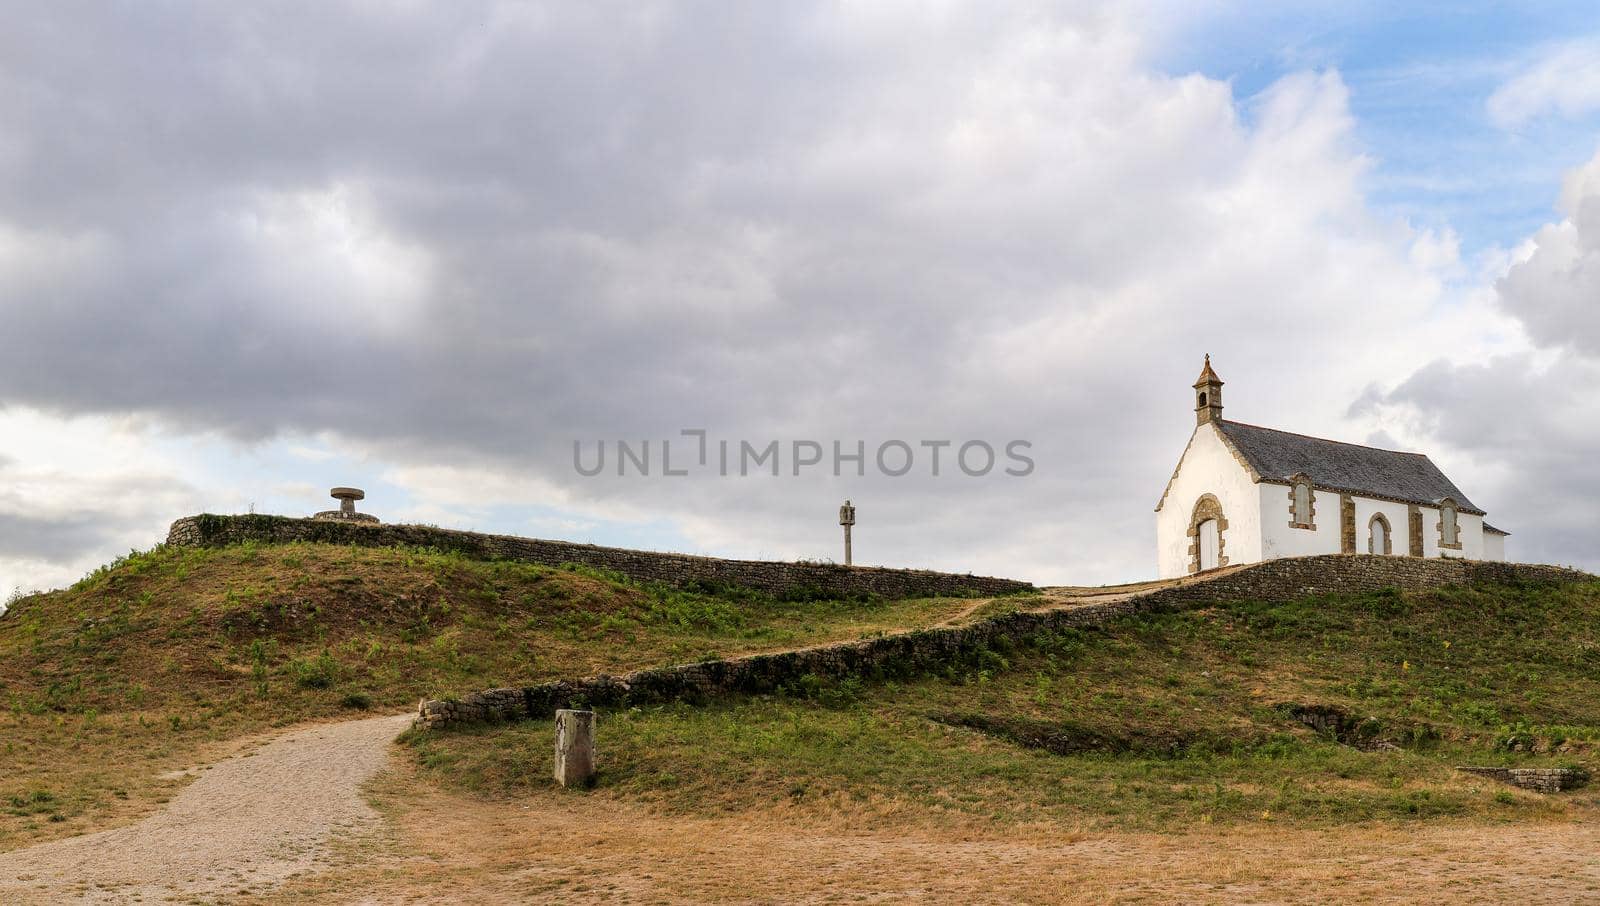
column 256, row 819
column 1056, row 597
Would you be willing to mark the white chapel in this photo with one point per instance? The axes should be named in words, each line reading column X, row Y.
column 1243, row 493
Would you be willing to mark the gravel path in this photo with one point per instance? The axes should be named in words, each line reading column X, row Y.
column 250, row 821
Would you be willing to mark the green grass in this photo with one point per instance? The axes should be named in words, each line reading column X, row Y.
column 148, row 660
column 1160, row 722
column 305, row 624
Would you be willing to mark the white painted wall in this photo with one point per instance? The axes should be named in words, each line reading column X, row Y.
column 1430, row 532
column 1279, row 540
column 1471, row 528
column 1399, row 516
column 1494, row 546
column 1259, row 515
column 1208, row 467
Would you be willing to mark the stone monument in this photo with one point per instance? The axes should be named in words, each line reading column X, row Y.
column 575, row 748
column 346, row 512
column 847, row 518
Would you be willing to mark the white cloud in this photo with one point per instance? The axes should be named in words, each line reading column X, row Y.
column 1565, row 82
column 1554, row 285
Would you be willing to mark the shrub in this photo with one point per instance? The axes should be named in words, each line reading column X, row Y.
column 319, row 672
column 1517, row 737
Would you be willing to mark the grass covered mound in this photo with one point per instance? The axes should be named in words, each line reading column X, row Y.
column 137, row 668
column 1155, row 722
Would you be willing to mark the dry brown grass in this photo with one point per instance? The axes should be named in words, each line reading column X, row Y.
column 568, row 847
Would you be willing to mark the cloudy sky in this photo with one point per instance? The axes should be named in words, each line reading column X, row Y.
column 248, row 252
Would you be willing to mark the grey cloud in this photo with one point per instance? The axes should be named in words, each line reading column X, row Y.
column 1530, row 434
column 59, row 539
column 59, row 518
column 474, row 233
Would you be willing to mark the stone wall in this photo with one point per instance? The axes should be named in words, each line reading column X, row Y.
column 781, row 579
column 911, row 652
column 1540, row 780
column 1294, row 577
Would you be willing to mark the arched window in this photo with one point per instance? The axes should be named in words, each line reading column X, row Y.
column 1379, row 540
column 1302, row 503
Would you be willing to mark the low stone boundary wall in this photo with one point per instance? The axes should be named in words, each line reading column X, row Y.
column 1274, row 580
column 1540, row 780
column 757, row 673
column 781, row 579
column 1296, row 577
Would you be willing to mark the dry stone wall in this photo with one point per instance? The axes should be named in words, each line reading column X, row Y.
column 781, row 579
column 1296, row 577
column 905, row 653
column 1540, row 780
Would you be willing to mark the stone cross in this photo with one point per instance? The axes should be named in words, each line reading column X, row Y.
column 575, row 748
column 847, row 518
column 347, row 498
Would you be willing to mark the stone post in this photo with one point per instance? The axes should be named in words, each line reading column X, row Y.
column 575, row 748
column 847, row 518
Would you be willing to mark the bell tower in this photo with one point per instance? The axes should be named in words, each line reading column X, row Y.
column 1207, row 395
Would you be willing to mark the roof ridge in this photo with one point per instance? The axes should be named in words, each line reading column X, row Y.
column 1326, row 440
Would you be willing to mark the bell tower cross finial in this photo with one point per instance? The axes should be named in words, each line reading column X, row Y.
column 1207, row 395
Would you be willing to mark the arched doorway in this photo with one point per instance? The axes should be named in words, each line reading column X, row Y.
column 1208, row 544
column 1208, row 534
column 1378, row 535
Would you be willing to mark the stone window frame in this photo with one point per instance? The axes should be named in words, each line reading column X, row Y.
column 1311, row 502
column 1207, row 507
column 1449, row 504
column 1388, row 534
column 1414, row 530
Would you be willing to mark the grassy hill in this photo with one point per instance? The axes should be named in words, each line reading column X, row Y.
column 171, row 657
column 1158, row 722
column 161, row 658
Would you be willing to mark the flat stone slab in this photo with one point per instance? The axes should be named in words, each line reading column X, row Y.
column 342, row 516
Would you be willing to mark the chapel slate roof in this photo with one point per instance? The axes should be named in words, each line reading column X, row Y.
column 1280, row 455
